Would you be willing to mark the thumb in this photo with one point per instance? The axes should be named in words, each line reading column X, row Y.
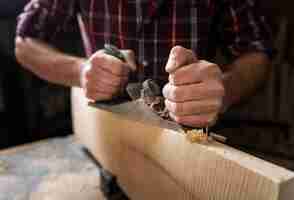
column 130, row 59
column 179, row 56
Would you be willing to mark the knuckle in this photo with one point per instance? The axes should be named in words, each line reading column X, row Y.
column 201, row 69
column 165, row 91
column 129, row 53
column 166, row 103
column 212, row 65
column 216, row 72
column 211, row 119
column 207, row 120
column 213, row 70
column 221, row 89
column 177, row 49
column 178, row 119
column 172, row 107
column 214, row 105
column 173, row 79
column 96, row 60
column 218, row 105
column 97, row 55
column 208, row 66
column 205, row 65
column 217, row 69
column 100, row 52
column 176, row 93
column 216, row 87
column 178, row 108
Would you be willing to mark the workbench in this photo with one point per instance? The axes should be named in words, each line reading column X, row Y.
column 53, row 169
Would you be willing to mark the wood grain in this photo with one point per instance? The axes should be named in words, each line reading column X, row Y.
column 156, row 163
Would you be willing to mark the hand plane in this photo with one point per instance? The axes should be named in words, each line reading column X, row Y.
column 138, row 100
column 132, row 102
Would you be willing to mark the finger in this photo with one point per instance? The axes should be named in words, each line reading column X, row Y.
column 101, row 87
column 110, row 64
column 194, row 107
column 199, row 121
column 179, row 56
column 99, row 74
column 98, row 96
column 195, row 73
column 122, row 82
column 193, row 92
column 130, row 59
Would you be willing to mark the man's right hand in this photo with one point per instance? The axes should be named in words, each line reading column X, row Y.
column 105, row 76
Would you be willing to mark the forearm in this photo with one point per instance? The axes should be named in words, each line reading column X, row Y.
column 244, row 76
column 48, row 63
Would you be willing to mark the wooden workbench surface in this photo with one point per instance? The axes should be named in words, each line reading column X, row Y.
column 54, row 169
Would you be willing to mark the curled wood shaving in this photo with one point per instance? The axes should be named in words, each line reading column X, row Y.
column 151, row 95
column 197, row 135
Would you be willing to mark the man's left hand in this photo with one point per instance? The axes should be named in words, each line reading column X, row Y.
column 194, row 94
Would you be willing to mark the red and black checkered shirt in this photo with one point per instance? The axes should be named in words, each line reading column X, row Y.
column 152, row 27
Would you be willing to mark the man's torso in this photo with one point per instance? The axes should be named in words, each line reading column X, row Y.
column 148, row 30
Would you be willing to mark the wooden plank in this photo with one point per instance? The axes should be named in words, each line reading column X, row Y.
column 155, row 163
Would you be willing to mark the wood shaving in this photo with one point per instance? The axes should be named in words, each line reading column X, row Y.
column 197, row 135
column 152, row 96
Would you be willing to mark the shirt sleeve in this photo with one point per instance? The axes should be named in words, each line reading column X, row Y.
column 45, row 19
column 245, row 28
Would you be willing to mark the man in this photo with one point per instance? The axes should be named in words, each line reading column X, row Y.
column 174, row 39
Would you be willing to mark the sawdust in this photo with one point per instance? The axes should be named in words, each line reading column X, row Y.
column 68, row 187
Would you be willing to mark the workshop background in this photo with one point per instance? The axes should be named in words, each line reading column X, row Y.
column 32, row 109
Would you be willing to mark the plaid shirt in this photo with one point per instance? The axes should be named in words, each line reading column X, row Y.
column 152, row 27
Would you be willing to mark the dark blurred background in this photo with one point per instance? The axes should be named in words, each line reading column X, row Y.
column 32, row 109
